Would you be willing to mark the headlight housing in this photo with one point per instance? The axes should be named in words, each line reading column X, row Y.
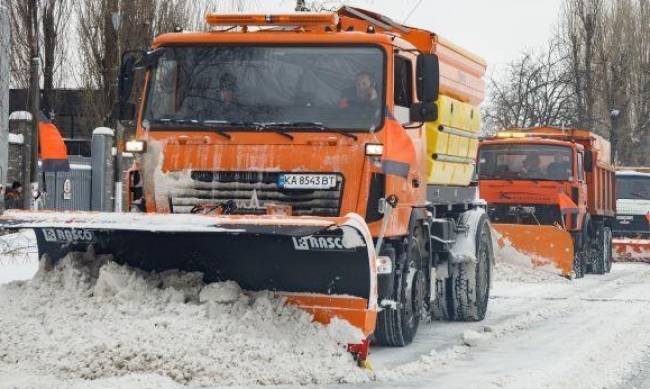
column 374, row 150
column 136, row 146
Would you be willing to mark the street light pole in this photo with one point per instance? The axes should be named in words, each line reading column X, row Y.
column 30, row 198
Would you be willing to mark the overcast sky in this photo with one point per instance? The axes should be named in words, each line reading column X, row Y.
column 498, row 30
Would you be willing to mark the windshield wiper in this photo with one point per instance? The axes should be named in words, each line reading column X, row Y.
column 273, row 126
column 315, row 125
column 640, row 196
column 199, row 124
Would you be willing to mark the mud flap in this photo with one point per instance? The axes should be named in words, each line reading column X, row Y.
column 631, row 250
column 324, row 265
column 546, row 248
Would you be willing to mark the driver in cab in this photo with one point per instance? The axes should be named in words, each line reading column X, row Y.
column 364, row 95
column 531, row 166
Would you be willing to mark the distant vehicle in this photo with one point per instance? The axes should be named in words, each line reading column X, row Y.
column 550, row 194
column 78, row 147
column 631, row 230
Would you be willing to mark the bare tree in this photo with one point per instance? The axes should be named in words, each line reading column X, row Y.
column 582, row 24
column 38, row 29
column 534, row 90
column 595, row 75
column 109, row 27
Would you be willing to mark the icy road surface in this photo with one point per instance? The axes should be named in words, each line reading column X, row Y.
column 541, row 332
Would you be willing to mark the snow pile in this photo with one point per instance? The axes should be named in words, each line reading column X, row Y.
column 507, row 272
column 91, row 319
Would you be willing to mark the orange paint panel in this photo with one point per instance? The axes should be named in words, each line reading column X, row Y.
column 324, row 308
column 548, row 247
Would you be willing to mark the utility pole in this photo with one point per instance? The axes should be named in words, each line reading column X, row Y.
column 31, row 194
column 119, row 138
column 4, row 100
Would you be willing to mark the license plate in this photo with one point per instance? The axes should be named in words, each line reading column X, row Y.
column 307, row 181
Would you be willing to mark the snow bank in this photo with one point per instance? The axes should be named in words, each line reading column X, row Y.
column 507, row 272
column 92, row 319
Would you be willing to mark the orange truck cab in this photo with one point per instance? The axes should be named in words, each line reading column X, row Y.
column 557, row 181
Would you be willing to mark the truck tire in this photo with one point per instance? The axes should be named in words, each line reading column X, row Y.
column 397, row 327
column 470, row 281
column 603, row 252
column 607, row 233
column 579, row 264
column 581, row 250
column 442, row 302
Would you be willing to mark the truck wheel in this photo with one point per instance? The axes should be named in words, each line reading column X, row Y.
column 580, row 263
column 601, row 257
column 397, row 327
column 470, row 281
column 607, row 233
column 442, row 302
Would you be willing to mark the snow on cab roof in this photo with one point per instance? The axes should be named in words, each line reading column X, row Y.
column 632, row 173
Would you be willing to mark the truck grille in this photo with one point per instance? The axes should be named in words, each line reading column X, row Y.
column 250, row 192
column 631, row 226
column 543, row 214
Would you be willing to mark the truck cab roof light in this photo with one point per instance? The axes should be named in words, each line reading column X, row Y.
column 511, row 135
column 301, row 19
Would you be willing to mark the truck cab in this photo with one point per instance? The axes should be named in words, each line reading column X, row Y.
column 533, row 181
column 632, row 204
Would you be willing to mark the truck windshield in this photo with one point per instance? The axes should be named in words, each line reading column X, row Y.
column 633, row 187
column 525, row 162
column 268, row 86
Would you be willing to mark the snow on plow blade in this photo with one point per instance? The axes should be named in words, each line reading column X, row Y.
column 324, row 265
column 545, row 247
column 631, row 250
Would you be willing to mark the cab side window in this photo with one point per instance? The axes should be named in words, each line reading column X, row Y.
column 581, row 168
column 403, row 88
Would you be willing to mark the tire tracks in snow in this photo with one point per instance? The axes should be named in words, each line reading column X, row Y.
column 563, row 300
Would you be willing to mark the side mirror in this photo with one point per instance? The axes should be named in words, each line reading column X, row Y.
column 124, row 109
column 423, row 112
column 428, row 78
column 125, row 80
column 589, row 161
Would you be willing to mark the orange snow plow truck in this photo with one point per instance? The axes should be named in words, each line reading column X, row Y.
column 327, row 157
column 550, row 195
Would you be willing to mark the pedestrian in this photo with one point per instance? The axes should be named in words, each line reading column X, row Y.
column 14, row 196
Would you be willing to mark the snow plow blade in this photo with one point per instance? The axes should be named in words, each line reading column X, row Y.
column 323, row 265
column 545, row 247
column 631, row 250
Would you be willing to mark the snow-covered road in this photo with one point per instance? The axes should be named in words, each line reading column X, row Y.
column 590, row 333
column 541, row 332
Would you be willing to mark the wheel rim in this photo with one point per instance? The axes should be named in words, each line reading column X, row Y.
column 414, row 296
column 483, row 270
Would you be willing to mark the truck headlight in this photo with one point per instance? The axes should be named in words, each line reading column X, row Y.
column 374, row 150
column 384, row 265
column 136, row 146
